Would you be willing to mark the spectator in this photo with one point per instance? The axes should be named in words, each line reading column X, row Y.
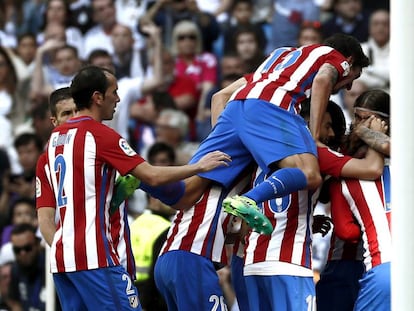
column 29, row 147
column 132, row 89
column 171, row 127
column 27, row 284
column 5, row 276
column 23, row 211
column 348, row 17
column 64, row 64
column 377, row 48
column 127, row 59
column 194, row 62
column 11, row 111
column 57, row 12
column 248, row 48
column 287, row 19
column 167, row 14
column 99, row 37
column 241, row 12
column 310, row 33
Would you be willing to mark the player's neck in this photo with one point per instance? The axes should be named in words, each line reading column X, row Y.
column 88, row 113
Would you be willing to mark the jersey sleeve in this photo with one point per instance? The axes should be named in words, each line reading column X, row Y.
column 345, row 226
column 337, row 60
column 331, row 162
column 116, row 151
column 45, row 196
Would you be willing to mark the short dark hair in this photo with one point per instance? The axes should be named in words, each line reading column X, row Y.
column 160, row 147
column 97, row 53
column 26, row 138
column 21, row 228
column 88, row 80
column 56, row 96
column 348, row 46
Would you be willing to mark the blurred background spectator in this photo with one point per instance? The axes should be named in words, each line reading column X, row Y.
column 165, row 89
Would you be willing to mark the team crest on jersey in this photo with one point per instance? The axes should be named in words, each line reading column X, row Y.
column 38, row 188
column 133, row 301
column 346, row 67
column 126, row 147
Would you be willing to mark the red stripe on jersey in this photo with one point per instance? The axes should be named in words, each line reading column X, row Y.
column 201, row 206
column 79, row 213
column 291, row 228
column 170, row 239
column 263, row 241
column 369, row 226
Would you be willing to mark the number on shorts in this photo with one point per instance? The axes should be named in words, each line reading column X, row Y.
column 129, row 290
column 219, row 303
column 60, row 169
column 311, row 302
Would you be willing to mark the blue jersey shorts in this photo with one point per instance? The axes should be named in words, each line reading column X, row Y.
column 338, row 286
column 254, row 130
column 238, row 282
column 281, row 293
column 99, row 289
column 375, row 289
column 188, row 282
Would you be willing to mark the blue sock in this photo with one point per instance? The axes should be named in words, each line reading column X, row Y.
column 282, row 182
column 168, row 194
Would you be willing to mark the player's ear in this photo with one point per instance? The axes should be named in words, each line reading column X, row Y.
column 54, row 121
column 97, row 97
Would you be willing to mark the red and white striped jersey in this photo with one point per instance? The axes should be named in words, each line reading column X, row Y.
column 285, row 77
column 291, row 239
column 369, row 202
column 81, row 161
column 202, row 229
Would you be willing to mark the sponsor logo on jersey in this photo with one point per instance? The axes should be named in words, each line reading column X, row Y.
column 38, row 188
column 346, row 67
column 126, row 148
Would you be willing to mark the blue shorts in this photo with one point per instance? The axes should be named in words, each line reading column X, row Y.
column 238, row 282
column 254, row 130
column 375, row 289
column 99, row 289
column 188, row 282
column 281, row 293
column 338, row 286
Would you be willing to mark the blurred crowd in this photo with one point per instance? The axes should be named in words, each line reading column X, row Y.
column 170, row 57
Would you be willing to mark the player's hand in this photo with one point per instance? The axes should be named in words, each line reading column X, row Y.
column 378, row 125
column 321, row 224
column 212, row 160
